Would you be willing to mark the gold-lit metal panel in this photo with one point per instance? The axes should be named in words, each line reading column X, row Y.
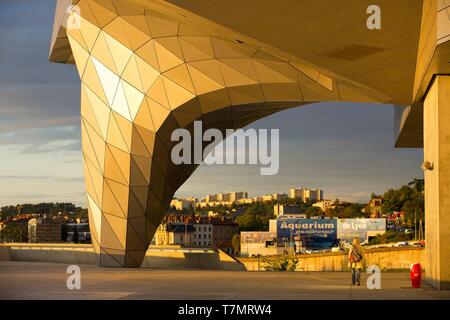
column 145, row 73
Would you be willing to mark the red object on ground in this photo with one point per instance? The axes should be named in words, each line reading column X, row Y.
column 416, row 275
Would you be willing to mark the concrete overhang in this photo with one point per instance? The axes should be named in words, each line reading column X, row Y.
column 408, row 128
column 393, row 65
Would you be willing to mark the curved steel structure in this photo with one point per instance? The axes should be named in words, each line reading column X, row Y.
column 149, row 67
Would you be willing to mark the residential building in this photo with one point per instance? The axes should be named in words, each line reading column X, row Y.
column 324, row 204
column 223, row 232
column 205, row 232
column 202, row 235
column 246, row 201
column 235, row 196
column 45, row 229
column 174, row 234
column 294, row 193
column 306, row 194
column 281, row 209
column 375, row 207
column 183, row 204
column 396, row 217
column 273, row 197
column 211, row 198
column 316, row 195
column 228, row 197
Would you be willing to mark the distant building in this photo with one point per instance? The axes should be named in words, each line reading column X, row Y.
column 78, row 232
column 273, row 197
column 45, row 230
column 306, row 194
column 396, row 217
column 236, row 196
column 211, row 198
column 364, row 229
column 262, row 243
column 182, row 204
column 375, row 207
column 223, row 233
column 205, row 232
column 324, row 205
column 295, row 193
column 316, row 195
column 203, row 235
column 226, row 199
column 174, row 234
column 282, row 209
column 246, row 201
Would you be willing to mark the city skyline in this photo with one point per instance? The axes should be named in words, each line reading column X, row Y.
column 347, row 150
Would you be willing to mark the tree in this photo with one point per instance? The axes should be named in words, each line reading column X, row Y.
column 406, row 199
column 347, row 210
column 418, row 185
column 391, row 236
column 12, row 232
column 256, row 217
column 313, row 211
column 281, row 263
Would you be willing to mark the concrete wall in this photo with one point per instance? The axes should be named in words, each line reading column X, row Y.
column 270, row 251
column 156, row 257
column 385, row 258
column 437, row 182
column 186, row 260
column 4, row 254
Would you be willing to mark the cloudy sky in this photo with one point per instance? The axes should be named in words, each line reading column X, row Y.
column 345, row 149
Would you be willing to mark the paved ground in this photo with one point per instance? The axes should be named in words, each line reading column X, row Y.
column 33, row 280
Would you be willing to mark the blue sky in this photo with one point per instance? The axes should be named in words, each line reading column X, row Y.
column 345, row 149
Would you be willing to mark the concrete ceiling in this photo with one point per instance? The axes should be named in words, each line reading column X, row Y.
column 332, row 35
column 394, row 64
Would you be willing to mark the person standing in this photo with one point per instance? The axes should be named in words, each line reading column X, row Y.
column 355, row 261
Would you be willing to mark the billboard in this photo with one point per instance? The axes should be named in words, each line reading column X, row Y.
column 256, row 242
column 310, row 233
column 257, row 236
column 347, row 229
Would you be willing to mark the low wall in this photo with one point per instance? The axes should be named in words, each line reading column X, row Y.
column 165, row 257
column 4, row 254
column 182, row 259
column 384, row 258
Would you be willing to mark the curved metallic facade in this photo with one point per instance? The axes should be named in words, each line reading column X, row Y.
column 144, row 74
column 149, row 67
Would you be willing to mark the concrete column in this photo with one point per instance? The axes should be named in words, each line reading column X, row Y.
column 437, row 182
